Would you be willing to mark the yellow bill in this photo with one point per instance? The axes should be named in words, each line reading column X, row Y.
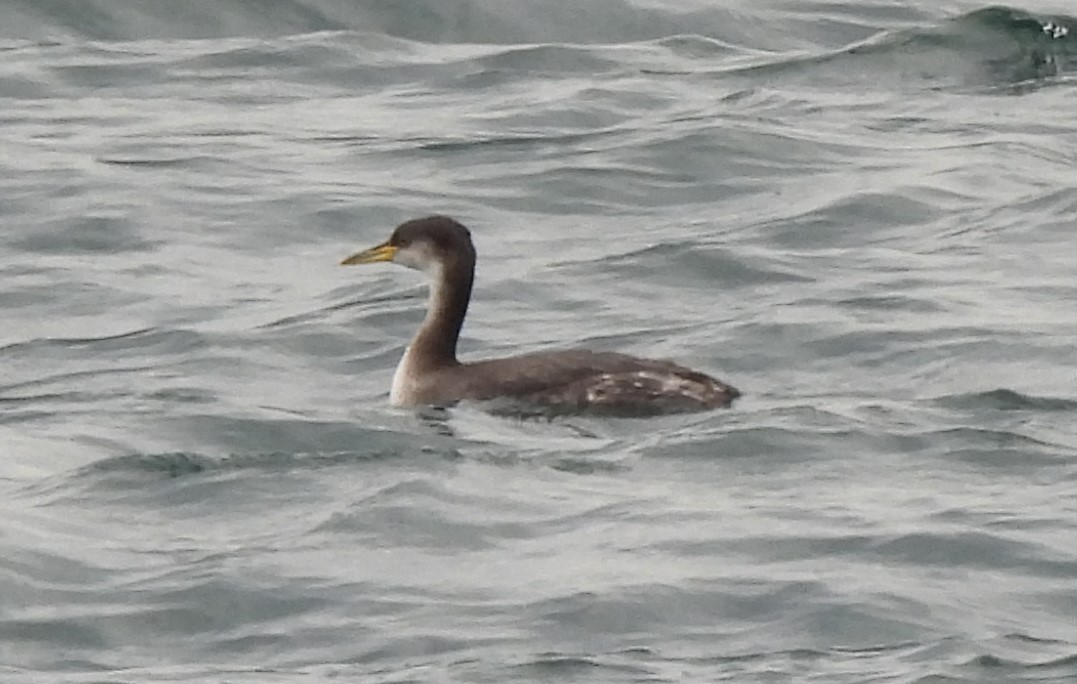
column 383, row 252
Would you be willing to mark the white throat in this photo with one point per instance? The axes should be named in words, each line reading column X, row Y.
column 403, row 388
column 405, row 379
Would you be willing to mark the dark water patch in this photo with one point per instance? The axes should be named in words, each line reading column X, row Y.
column 993, row 48
column 88, row 235
column 537, row 458
column 420, row 512
column 414, row 523
column 23, row 88
column 57, row 407
column 853, row 220
column 56, row 630
column 105, row 20
column 51, row 289
column 96, row 389
column 38, row 571
column 634, row 613
column 248, row 603
column 1032, row 639
column 182, row 464
column 1047, row 212
column 978, row 550
column 997, row 447
column 882, row 344
column 520, row 142
column 1004, row 399
column 588, row 466
column 892, row 302
column 266, row 57
column 697, row 47
column 518, row 22
column 1005, row 522
column 107, row 342
column 1066, row 666
column 101, row 353
column 549, row 59
column 695, row 261
column 456, row 21
column 201, row 482
column 172, row 465
column 1037, row 47
column 1011, row 460
column 190, row 163
column 207, row 598
column 183, row 395
column 790, row 444
column 559, row 666
column 95, row 77
column 782, row 548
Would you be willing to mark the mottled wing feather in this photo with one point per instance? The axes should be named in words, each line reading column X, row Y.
column 608, row 383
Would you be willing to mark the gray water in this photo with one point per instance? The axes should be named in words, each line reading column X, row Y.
column 861, row 214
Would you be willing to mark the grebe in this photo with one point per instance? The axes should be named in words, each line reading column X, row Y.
column 560, row 382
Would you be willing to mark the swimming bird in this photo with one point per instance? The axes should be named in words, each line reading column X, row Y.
column 552, row 383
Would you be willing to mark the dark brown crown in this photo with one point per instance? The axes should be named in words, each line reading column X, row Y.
column 446, row 236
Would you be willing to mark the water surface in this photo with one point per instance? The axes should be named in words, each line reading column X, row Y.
column 861, row 214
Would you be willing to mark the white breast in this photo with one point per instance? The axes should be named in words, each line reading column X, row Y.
column 403, row 389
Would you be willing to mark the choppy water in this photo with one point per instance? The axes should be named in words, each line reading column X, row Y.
column 861, row 214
